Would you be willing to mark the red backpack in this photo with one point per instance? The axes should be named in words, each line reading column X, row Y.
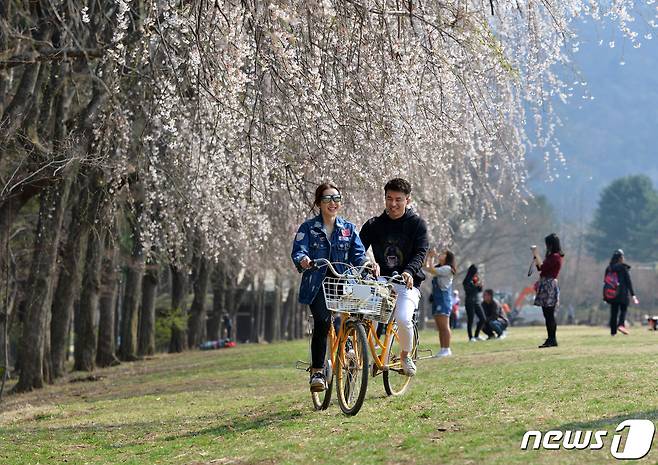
column 610, row 286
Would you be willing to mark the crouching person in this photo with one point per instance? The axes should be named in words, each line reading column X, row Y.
column 496, row 322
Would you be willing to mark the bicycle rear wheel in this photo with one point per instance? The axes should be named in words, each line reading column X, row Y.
column 352, row 364
column 321, row 400
column 396, row 382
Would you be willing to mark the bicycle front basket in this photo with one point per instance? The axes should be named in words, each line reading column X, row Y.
column 374, row 300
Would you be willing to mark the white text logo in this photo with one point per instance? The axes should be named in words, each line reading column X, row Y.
column 639, row 438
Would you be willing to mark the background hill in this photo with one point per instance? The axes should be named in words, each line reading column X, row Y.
column 615, row 133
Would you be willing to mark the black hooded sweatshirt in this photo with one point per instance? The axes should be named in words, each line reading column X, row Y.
column 398, row 245
column 473, row 291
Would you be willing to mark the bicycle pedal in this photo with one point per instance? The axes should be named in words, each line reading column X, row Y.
column 302, row 365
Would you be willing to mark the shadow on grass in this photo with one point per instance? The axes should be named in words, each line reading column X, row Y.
column 609, row 422
column 243, row 424
column 107, row 436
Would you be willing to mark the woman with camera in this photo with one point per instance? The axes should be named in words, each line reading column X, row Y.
column 548, row 290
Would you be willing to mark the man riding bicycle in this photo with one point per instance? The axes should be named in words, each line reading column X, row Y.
column 399, row 243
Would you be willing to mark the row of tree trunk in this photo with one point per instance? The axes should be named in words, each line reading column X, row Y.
column 82, row 280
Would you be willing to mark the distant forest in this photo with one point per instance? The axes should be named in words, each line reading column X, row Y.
column 612, row 135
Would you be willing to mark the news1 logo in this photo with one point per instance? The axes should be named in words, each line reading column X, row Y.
column 639, row 438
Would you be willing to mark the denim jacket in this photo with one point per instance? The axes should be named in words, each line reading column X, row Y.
column 311, row 241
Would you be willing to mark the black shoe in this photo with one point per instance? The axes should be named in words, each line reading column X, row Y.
column 317, row 382
column 548, row 343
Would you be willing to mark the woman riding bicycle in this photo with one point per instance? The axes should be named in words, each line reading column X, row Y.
column 331, row 237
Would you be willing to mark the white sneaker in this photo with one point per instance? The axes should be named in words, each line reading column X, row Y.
column 473, row 339
column 317, row 382
column 480, row 338
column 408, row 366
column 503, row 335
column 444, row 352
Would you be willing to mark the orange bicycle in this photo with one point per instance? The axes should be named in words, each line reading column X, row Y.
column 365, row 302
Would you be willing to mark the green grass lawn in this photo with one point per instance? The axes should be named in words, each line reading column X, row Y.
column 249, row 405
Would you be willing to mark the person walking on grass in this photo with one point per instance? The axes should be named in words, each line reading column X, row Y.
column 473, row 302
column 331, row 237
column 443, row 268
column 228, row 326
column 616, row 291
column 399, row 244
column 548, row 290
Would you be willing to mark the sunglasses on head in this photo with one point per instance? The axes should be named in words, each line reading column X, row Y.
column 328, row 198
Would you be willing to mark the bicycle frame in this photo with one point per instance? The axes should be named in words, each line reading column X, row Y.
column 373, row 340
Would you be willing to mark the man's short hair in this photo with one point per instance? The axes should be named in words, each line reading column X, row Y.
column 489, row 291
column 398, row 185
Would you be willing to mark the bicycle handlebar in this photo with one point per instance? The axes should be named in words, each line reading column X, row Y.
column 318, row 262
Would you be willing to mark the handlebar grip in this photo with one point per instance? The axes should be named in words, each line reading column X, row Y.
column 316, row 263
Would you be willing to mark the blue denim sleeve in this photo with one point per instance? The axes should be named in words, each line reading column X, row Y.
column 300, row 246
column 357, row 250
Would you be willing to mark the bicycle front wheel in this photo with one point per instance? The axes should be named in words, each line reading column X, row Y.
column 352, row 364
column 396, row 382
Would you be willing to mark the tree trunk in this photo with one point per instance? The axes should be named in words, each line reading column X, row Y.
column 132, row 297
column 47, row 367
column 9, row 210
column 262, row 308
column 293, row 307
column 179, row 286
column 254, row 307
column 177, row 341
column 299, row 320
column 75, row 318
column 68, row 284
column 197, row 320
column 276, row 306
column 231, row 298
column 105, row 355
column 5, row 74
column 218, row 304
column 118, row 304
column 146, row 333
column 86, row 339
column 131, row 301
column 39, row 291
column 97, row 225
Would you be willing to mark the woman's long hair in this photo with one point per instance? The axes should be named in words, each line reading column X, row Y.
column 451, row 261
column 472, row 271
column 553, row 245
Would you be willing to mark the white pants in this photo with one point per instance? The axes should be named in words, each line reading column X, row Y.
column 405, row 306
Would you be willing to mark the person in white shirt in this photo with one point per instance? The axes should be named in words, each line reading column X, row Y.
column 442, row 267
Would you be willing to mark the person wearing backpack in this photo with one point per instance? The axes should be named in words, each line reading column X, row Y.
column 617, row 287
